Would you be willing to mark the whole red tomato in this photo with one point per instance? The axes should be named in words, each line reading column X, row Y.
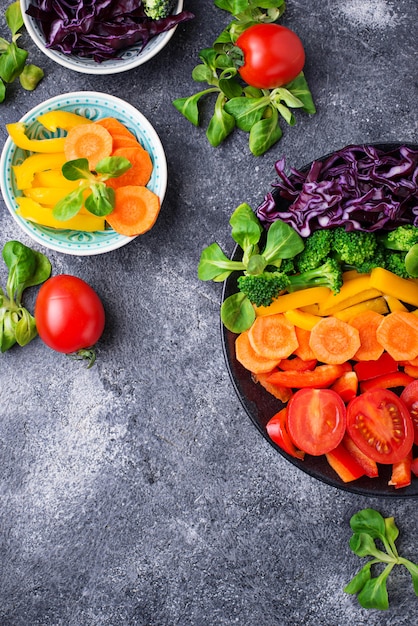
column 273, row 55
column 69, row 314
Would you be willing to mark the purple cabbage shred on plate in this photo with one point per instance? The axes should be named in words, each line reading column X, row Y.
column 362, row 187
column 98, row 29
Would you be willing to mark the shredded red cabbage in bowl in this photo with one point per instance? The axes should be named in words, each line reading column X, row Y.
column 361, row 187
column 98, row 29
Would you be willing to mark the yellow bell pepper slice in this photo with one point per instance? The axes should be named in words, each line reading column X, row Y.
column 52, row 120
column 47, row 196
column 405, row 289
column 25, row 172
column 356, row 298
column 53, row 178
column 349, row 289
column 379, row 305
column 17, row 133
column 395, row 304
column 301, row 319
column 35, row 212
column 294, row 300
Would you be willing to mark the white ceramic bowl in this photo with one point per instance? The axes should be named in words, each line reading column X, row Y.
column 94, row 105
column 127, row 59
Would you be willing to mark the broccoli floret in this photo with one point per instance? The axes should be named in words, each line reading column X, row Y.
column 317, row 247
column 287, row 266
column 395, row 263
column 158, row 9
column 378, row 260
column 261, row 289
column 402, row 238
column 329, row 274
column 353, row 247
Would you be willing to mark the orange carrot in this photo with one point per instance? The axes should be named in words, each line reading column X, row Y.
column 366, row 323
column 278, row 391
column 115, row 127
column 398, row 334
column 124, row 141
column 90, row 142
column 249, row 358
column 138, row 174
column 136, row 210
column 304, row 350
column 273, row 336
column 334, row 341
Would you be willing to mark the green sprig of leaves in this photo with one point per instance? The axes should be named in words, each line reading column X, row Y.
column 369, row 526
column 237, row 105
column 282, row 242
column 101, row 200
column 27, row 268
column 13, row 58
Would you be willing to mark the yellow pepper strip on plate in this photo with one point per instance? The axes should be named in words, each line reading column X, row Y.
column 47, row 196
column 17, row 133
column 348, row 290
column 404, row 289
column 52, row 120
column 53, row 178
column 379, row 305
column 25, row 172
column 341, row 305
column 35, row 212
column 295, row 300
column 302, row 319
column 395, row 304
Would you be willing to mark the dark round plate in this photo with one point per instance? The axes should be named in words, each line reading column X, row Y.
column 261, row 406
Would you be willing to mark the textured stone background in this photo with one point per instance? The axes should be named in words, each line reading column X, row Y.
column 138, row 493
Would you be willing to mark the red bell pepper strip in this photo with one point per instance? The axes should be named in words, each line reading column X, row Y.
column 346, row 386
column 414, row 466
column 278, row 391
column 344, row 464
column 277, row 431
column 297, row 364
column 369, row 466
column 321, row 377
column 370, row 369
column 401, row 473
column 386, row 381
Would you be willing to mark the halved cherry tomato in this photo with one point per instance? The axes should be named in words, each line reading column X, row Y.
column 379, row 423
column 273, row 55
column 410, row 396
column 277, row 431
column 316, row 420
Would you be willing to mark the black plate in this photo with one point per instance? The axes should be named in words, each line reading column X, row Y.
column 261, row 406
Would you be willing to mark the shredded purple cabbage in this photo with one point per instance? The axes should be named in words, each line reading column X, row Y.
column 98, row 29
column 361, row 187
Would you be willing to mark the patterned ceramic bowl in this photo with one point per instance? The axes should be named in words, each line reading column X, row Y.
column 94, row 105
column 128, row 59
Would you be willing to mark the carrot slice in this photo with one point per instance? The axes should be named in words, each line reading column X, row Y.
column 304, row 350
column 136, row 210
column 367, row 323
column 90, row 142
column 249, row 358
column 124, row 141
column 398, row 334
column 334, row 341
column 114, row 127
column 273, row 336
column 139, row 173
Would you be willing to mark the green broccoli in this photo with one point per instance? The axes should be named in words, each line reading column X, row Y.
column 378, row 260
column 402, row 238
column 261, row 289
column 395, row 263
column 317, row 248
column 353, row 247
column 158, row 9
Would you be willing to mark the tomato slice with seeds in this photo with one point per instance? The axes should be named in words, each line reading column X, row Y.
column 379, row 423
column 410, row 396
column 316, row 420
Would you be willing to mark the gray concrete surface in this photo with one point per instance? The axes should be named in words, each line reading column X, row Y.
column 138, row 493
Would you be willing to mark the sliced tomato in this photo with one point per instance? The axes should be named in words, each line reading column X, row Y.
column 379, row 423
column 410, row 396
column 316, row 420
column 277, row 431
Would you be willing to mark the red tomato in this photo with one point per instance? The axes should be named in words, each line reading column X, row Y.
column 410, row 396
column 316, row 420
column 273, row 55
column 69, row 314
column 379, row 424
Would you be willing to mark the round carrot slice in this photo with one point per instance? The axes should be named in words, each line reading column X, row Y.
column 273, row 336
column 91, row 142
column 334, row 341
column 249, row 358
